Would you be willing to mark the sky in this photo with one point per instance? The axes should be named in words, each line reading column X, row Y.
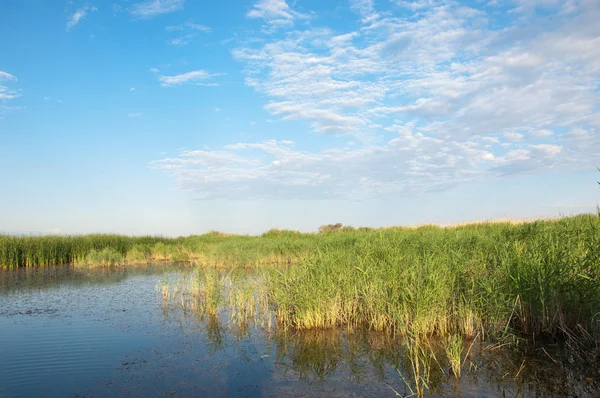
column 177, row 117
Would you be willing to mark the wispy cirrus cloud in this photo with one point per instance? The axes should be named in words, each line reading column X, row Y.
column 191, row 30
column 198, row 77
column 188, row 26
column 7, row 93
column 152, row 8
column 78, row 16
column 438, row 94
column 182, row 40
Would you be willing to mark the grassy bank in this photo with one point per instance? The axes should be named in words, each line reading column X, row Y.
column 540, row 278
column 213, row 249
column 33, row 251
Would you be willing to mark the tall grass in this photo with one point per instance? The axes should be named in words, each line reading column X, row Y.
column 431, row 286
column 540, row 279
column 536, row 280
column 30, row 251
column 274, row 247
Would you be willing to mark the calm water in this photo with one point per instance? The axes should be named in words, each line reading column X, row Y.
column 66, row 332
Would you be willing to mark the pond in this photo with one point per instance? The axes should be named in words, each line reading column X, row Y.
column 74, row 332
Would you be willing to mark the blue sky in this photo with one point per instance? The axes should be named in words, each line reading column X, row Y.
column 177, row 117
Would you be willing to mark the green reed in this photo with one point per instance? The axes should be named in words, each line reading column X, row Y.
column 30, row 251
column 537, row 279
column 430, row 286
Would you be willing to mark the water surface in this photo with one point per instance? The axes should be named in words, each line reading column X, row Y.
column 71, row 332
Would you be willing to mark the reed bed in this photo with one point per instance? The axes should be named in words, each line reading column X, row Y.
column 437, row 289
column 540, row 279
column 214, row 249
column 33, row 251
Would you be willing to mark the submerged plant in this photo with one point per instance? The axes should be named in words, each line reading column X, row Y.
column 211, row 286
column 421, row 359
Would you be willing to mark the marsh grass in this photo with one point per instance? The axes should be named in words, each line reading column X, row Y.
column 497, row 282
column 33, row 251
column 453, row 346
column 106, row 257
column 421, row 359
column 537, row 279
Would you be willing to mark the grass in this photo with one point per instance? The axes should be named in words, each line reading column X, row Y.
column 431, row 286
column 538, row 279
column 454, row 352
column 214, row 249
column 33, row 251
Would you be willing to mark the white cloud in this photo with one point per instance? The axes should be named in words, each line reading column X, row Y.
column 442, row 65
column 135, row 114
column 5, row 92
column 77, row 16
column 513, row 137
column 528, row 6
column 275, row 12
column 182, row 41
column 324, row 121
column 363, row 7
column 188, row 26
column 490, row 140
column 549, row 150
column 578, row 133
column 192, row 30
column 6, row 76
column 416, row 5
column 438, row 93
column 132, row 89
column 534, row 158
column 198, row 77
column 152, row 8
column 195, row 26
column 154, row 70
column 408, row 164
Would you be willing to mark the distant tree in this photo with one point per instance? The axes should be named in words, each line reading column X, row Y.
column 330, row 228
